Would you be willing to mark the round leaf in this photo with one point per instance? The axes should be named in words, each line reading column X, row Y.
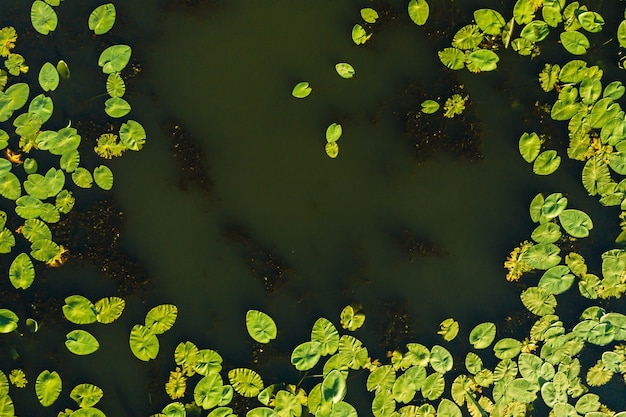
column 345, row 70
column 245, row 382
column 101, row 20
column 301, row 90
column 482, row 335
column 81, row 342
column 114, row 58
column 161, row 318
column 306, row 355
column 261, row 327
column 103, row 176
column 48, row 77
column 116, row 107
column 22, row 271
column 574, row 42
column 143, row 343
column 43, row 17
column 546, row 163
column 8, row 320
column 79, row 310
column 418, row 11
column 576, row 222
column 48, row 387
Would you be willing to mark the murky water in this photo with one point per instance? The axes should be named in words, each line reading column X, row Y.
column 226, row 73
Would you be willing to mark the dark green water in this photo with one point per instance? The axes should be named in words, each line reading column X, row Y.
column 226, row 73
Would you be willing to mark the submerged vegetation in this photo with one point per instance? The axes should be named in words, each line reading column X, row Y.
column 548, row 368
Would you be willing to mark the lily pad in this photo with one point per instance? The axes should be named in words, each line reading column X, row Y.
column 345, row 70
column 574, row 42
column 161, row 318
column 143, row 343
column 575, row 222
column 306, row 355
column 301, row 90
column 351, row 319
column 103, row 176
column 245, row 382
column 86, row 395
column 79, row 310
column 430, row 106
column 22, row 271
column 208, row 391
column 102, row 19
column 48, row 387
column 117, row 107
column 325, row 332
column 489, row 21
column 538, row 301
column 48, row 77
column 8, row 320
column 419, row 11
column 114, row 58
column 43, row 17
column 529, row 146
column 109, row 309
column 546, row 163
column 81, row 342
column 482, row 335
column 132, row 135
column 261, row 327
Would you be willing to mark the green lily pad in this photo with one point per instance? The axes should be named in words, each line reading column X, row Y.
column 345, row 70
column 546, row 163
column 575, row 222
column 359, row 35
column 261, row 327
column 419, row 11
column 468, row 37
column 433, row 386
column 102, row 19
column 430, row 106
column 369, row 15
column 109, row 309
column 161, row 318
column 447, row 408
column 208, row 391
column 538, row 301
column 82, row 177
column 22, row 271
column 535, row 31
column 523, row 12
column 546, row 233
column 43, row 17
column 7, row 240
column 591, row 21
column 8, row 320
column 48, row 387
column 132, row 135
column 482, row 335
column 245, row 382
column 44, row 250
column 103, row 176
column 48, row 77
column 63, row 69
column 86, row 395
column 529, row 146
column 115, row 85
column 351, row 319
column 207, row 361
column 452, row 58
column 382, row 378
column 114, row 58
column 116, row 107
column 143, row 343
column 79, row 310
column 489, row 21
column 301, row 90
column 440, row 359
column 306, row 355
column 333, row 132
column 448, row 329
column 574, row 42
column 507, row 348
column 482, row 60
column 325, row 332
column 557, row 279
column 81, row 342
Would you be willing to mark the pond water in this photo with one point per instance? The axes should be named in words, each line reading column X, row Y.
column 331, row 227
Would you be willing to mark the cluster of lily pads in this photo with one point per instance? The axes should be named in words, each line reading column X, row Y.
column 453, row 106
column 474, row 45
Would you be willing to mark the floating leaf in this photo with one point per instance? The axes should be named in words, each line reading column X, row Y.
column 350, row 319
column 440, row 359
column 546, row 233
column 575, row 222
column 301, row 90
column 48, row 77
column 306, row 355
column 143, row 343
column 538, row 301
column 334, row 387
column 591, row 21
column 79, row 310
column 332, row 149
column 452, row 58
column 132, row 135
column 325, row 332
column 103, row 176
column 109, row 309
column 86, row 395
column 535, row 31
column 333, row 132
column 161, row 318
column 208, row 391
column 359, row 35
column 81, row 342
column 48, row 387
column 82, row 177
column 63, row 69
column 418, row 11
column 468, row 37
column 529, row 146
column 261, row 327
column 345, row 70
column 546, row 163
column 101, row 20
column 429, row 106
column 482, row 60
column 489, row 21
column 114, row 58
column 245, row 381
column 448, row 329
column 116, row 107
column 7, row 240
column 574, row 42
column 43, row 17
column 8, row 320
column 507, row 348
column 482, row 335
column 433, row 386
column 557, row 279
column 369, row 15
column 22, row 271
